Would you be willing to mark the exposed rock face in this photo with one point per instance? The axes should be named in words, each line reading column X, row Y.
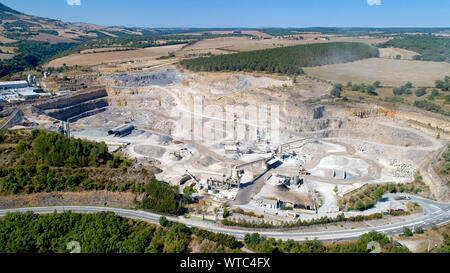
column 72, row 112
column 70, row 100
column 76, row 105
column 162, row 78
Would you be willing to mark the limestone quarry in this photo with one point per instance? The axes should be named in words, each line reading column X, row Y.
column 274, row 148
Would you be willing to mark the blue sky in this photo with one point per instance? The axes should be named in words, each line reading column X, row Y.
column 243, row 13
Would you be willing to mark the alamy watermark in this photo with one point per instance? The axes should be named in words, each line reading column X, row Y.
column 374, row 246
column 228, row 123
column 74, row 246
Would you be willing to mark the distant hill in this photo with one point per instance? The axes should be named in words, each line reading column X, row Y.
column 15, row 26
column 8, row 9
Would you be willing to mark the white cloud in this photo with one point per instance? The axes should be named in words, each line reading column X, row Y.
column 374, row 2
column 74, row 2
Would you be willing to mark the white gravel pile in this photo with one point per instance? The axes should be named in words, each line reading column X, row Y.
column 334, row 166
column 401, row 169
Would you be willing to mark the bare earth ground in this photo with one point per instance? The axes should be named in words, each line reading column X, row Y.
column 7, row 49
column 6, row 56
column 388, row 71
column 392, row 52
column 6, row 40
column 93, row 198
column 426, row 241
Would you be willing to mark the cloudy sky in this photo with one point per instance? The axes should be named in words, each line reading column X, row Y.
column 243, row 13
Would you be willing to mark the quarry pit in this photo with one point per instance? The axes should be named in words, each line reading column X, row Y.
column 320, row 146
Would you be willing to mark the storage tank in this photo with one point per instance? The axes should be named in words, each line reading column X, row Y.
column 126, row 130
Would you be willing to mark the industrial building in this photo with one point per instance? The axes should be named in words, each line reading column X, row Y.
column 274, row 162
column 270, row 203
column 285, row 180
column 13, row 85
column 11, row 91
column 222, row 183
column 28, row 93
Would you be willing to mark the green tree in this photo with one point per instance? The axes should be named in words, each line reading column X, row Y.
column 335, row 93
column 407, row 232
column 163, row 221
column 187, row 192
column 421, row 92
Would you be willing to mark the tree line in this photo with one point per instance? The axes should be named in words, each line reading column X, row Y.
column 430, row 47
column 301, row 223
column 162, row 197
column 368, row 196
column 57, row 150
column 286, row 60
column 262, row 244
column 102, row 232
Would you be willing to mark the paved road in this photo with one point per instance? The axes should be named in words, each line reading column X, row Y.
column 434, row 213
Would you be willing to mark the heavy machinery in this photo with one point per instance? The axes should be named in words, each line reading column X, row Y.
column 302, row 171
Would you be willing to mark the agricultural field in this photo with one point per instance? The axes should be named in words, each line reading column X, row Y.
column 390, row 72
column 6, row 40
column 6, row 56
column 392, row 53
column 238, row 44
column 117, row 56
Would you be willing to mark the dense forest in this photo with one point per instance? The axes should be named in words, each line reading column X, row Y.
column 100, row 233
column 57, row 150
column 285, row 60
column 45, row 161
column 430, row 47
column 162, row 198
column 39, row 161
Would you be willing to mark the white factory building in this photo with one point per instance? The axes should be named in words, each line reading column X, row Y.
column 20, row 94
column 13, row 85
column 11, row 91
